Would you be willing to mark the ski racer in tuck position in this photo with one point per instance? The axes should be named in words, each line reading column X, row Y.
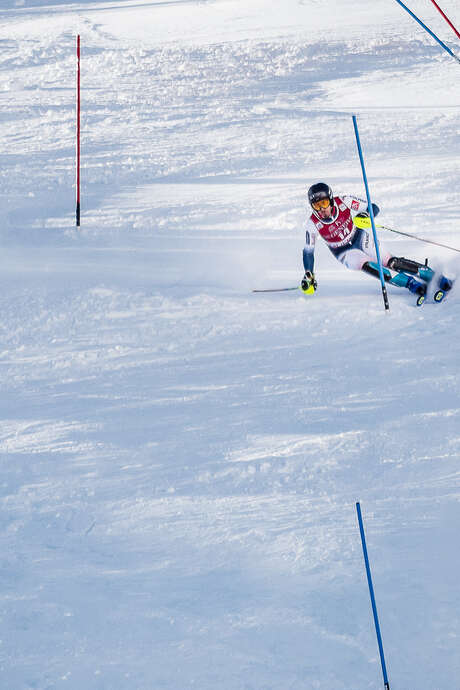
column 333, row 218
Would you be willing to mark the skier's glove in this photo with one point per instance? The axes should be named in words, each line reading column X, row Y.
column 362, row 220
column 308, row 284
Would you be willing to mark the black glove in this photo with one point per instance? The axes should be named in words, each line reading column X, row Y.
column 308, row 283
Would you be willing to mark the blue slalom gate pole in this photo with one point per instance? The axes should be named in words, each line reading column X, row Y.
column 443, row 45
column 371, row 592
column 371, row 214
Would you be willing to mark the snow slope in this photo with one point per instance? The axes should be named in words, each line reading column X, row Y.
column 180, row 457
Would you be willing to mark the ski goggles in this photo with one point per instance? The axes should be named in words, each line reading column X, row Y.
column 322, row 203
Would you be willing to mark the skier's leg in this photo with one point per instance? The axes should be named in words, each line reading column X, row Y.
column 409, row 282
column 445, row 283
column 372, row 268
column 308, row 259
column 399, row 279
column 401, row 264
column 362, row 256
column 354, row 256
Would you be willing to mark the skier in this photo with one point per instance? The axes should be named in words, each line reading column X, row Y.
column 332, row 217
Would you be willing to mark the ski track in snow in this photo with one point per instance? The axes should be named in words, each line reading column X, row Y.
column 180, row 457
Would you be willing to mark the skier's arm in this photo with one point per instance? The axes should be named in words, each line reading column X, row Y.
column 308, row 258
column 308, row 283
column 309, row 249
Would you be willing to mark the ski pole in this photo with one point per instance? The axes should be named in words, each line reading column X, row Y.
column 365, row 223
column 371, row 592
column 278, row 289
column 371, row 214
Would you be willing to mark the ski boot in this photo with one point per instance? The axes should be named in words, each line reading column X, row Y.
column 417, row 289
column 445, row 285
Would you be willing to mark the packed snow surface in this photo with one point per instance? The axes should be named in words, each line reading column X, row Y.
column 181, row 457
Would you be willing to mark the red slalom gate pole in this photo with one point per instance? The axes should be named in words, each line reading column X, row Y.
column 446, row 18
column 78, row 132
